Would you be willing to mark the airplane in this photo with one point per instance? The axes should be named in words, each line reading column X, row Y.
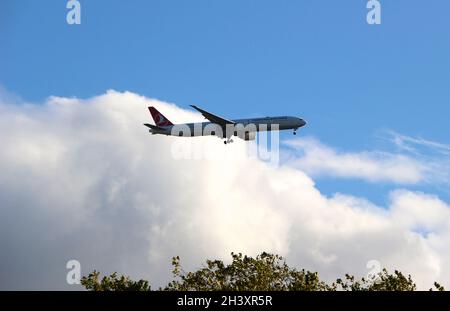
column 223, row 128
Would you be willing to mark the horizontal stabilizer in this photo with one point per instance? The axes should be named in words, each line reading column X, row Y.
column 153, row 127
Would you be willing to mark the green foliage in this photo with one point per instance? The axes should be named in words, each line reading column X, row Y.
column 113, row 283
column 438, row 287
column 266, row 272
column 382, row 282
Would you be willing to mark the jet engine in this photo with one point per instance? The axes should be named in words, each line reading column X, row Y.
column 247, row 135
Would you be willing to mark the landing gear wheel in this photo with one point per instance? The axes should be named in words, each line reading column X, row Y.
column 225, row 142
column 295, row 133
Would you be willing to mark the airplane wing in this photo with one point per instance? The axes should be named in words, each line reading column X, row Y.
column 212, row 117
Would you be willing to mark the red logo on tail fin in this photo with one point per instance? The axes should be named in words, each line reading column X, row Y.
column 159, row 119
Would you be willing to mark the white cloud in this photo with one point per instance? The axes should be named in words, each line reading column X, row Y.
column 416, row 144
column 83, row 179
column 316, row 159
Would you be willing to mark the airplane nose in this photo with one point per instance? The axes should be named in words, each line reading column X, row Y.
column 302, row 122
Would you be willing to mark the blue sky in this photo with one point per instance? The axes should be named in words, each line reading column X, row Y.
column 317, row 60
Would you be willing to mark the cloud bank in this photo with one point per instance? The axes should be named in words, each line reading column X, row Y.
column 83, row 179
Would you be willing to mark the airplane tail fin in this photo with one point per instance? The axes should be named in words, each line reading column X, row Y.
column 159, row 119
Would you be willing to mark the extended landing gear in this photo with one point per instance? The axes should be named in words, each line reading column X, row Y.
column 295, row 132
column 228, row 141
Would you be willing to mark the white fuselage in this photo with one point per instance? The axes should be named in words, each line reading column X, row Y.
column 241, row 127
